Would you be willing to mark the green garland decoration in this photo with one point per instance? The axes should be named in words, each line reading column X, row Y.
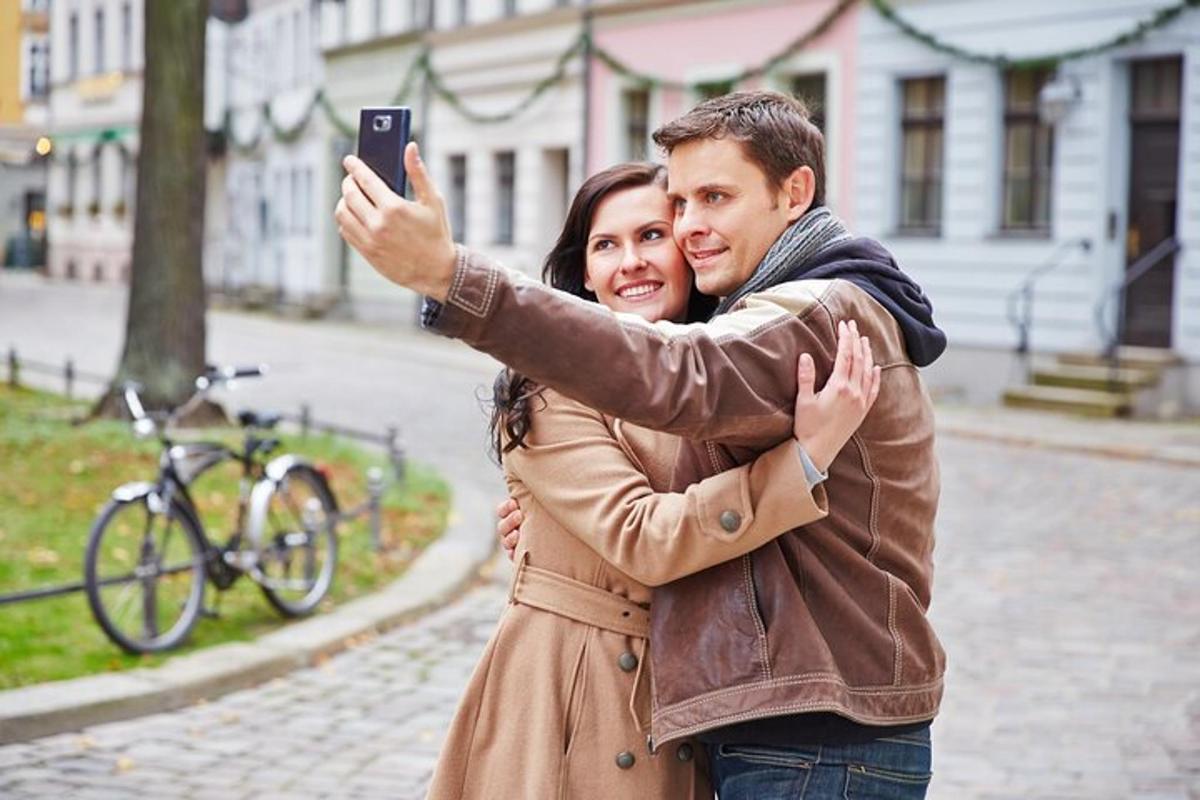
column 1160, row 19
column 422, row 66
column 790, row 49
column 456, row 102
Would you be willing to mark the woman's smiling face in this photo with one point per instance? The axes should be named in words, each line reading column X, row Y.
column 633, row 264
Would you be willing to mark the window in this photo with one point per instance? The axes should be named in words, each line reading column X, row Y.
column 711, row 89
column 376, row 17
column 458, row 197
column 505, row 196
column 97, row 181
column 39, row 69
column 1028, row 152
column 510, row 8
column 636, row 103
column 99, row 31
column 810, row 89
column 462, row 12
column 72, row 182
column 73, row 47
column 299, row 48
column 126, row 37
column 921, row 123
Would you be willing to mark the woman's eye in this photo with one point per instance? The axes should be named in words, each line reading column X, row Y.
column 602, row 244
column 652, row 235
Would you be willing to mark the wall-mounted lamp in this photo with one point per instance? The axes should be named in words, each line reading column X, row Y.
column 1057, row 98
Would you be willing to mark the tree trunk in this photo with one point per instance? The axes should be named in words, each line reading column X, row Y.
column 165, row 329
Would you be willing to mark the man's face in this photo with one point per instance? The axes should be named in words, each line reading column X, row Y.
column 727, row 215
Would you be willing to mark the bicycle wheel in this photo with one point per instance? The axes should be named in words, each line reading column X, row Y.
column 144, row 574
column 298, row 553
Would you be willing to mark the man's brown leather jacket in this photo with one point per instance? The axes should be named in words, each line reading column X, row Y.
column 828, row 617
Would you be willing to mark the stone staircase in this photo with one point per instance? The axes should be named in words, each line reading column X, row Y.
column 1144, row 385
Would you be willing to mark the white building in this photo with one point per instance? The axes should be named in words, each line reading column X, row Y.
column 94, row 111
column 972, row 190
column 265, row 220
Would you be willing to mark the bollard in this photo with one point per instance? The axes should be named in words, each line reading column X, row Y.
column 375, row 506
column 69, row 376
column 305, row 419
column 14, row 368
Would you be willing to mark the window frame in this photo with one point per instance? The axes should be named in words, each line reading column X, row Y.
column 929, row 121
column 505, row 165
column 1041, row 173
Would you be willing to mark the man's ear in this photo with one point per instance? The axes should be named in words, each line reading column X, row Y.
column 800, row 188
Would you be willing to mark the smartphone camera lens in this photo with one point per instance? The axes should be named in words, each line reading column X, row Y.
column 381, row 124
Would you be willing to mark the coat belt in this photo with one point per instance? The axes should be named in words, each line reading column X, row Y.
column 582, row 602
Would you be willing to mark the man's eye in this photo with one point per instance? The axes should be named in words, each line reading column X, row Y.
column 714, row 197
column 679, row 204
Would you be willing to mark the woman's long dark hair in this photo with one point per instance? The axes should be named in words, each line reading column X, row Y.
column 565, row 268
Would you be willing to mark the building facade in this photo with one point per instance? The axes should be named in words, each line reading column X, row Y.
column 982, row 176
column 24, row 79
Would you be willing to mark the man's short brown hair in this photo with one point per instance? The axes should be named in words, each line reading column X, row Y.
column 773, row 128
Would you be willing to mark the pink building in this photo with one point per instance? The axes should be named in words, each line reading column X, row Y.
column 652, row 62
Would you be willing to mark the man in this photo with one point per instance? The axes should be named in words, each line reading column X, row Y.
column 808, row 665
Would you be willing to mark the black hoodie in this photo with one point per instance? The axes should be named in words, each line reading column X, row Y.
column 868, row 265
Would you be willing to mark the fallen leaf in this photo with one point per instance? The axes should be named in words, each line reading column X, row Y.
column 76, row 467
column 85, row 743
column 229, row 717
column 43, row 556
column 124, row 764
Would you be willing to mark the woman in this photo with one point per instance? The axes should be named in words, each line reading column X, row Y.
column 558, row 706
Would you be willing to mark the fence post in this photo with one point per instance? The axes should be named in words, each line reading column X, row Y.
column 14, row 368
column 305, row 419
column 69, row 376
column 374, row 506
column 395, row 452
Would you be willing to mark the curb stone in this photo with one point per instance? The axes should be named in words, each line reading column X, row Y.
column 438, row 575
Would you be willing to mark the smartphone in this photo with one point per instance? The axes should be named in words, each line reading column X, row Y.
column 382, row 134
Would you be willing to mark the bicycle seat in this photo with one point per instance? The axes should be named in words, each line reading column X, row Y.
column 259, row 419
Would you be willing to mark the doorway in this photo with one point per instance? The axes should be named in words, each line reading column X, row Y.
column 1153, row 195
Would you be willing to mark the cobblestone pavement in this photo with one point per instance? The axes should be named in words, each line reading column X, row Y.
column 1066, row 597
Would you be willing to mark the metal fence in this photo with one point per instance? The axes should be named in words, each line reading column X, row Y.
column 303, row 420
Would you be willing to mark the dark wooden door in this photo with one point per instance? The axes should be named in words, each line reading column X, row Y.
column 1153, row 192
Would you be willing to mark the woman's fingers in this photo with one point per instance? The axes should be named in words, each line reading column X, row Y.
column 841, row 364
column 856, row 365
column 806, row 379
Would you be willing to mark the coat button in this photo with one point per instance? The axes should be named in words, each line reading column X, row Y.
column 731, row 520
column 684, row 753
column 625, row 759
column 627, row 662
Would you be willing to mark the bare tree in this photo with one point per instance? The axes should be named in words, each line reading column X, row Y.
column 165, row 327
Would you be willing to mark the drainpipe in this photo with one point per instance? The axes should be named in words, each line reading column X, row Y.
column 587, row 89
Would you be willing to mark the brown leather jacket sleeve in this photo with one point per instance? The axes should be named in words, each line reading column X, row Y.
column 586, row 481
column 731, row 380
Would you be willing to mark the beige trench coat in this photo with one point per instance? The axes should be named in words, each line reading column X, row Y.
column 558, row 706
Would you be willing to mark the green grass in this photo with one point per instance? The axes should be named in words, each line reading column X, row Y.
column 55, row 478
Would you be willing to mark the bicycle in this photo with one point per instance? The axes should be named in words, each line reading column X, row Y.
column 145, row 584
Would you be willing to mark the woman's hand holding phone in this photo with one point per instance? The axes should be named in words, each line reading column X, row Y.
column 824, row 421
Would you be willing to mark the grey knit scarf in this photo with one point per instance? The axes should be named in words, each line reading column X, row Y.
column 803, row 240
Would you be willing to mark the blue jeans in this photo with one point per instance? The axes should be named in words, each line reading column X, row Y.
column 893, row 768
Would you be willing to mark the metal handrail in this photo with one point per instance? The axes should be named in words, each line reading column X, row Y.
column 1120, row 288
column 1020, row 300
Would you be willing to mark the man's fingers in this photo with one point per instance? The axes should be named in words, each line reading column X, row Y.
column 424, row 189
column 373, row 187
column 352, row 230
column 357, row 202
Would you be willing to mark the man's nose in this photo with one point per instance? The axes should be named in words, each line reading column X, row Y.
column 689, row 222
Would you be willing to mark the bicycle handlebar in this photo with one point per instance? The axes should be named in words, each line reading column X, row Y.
column 211, row 377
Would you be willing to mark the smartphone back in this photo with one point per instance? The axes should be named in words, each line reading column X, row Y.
column 382, row 134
